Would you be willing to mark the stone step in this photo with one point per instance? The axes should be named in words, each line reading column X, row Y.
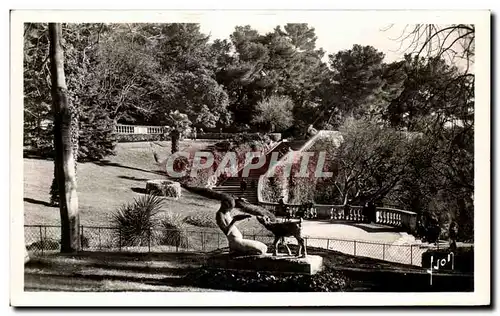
column 234, row 189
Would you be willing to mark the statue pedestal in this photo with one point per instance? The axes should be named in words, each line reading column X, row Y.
column 267, row 263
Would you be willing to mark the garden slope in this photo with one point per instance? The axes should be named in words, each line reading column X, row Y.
column 104, row 186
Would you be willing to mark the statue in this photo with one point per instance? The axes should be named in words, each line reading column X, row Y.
column 227, row 223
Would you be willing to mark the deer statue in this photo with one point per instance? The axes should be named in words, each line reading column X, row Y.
column 282, row 230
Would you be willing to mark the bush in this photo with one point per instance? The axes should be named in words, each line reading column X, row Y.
column 326, row 281
column 173, row 231
column 167, row 188
column 129, row 138
column 201, row 220
column 40, row 141
column 44, row 244
column 252, row 136
column 275, row 113
column 271, row 190
column 96, row 138
column 275, row 136
column 136, row 221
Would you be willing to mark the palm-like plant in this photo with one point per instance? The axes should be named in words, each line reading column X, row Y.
column 137, row 221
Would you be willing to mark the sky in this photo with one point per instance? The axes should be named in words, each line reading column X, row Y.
column 332, row 37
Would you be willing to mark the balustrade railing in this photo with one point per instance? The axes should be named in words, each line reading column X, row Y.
column 138, row 129
column 406, row 220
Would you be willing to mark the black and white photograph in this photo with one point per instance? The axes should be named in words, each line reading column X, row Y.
column 226, row 152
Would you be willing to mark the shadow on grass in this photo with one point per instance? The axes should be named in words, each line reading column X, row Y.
column 101, row 266
column 139, row 190
column 33, row 201
column 36, row 154
column 174, row 269
column 107, row 163
column 132, row 178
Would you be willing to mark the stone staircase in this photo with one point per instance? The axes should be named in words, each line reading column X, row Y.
column 232, row 185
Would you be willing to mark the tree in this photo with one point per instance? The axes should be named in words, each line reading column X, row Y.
column 82, row 47
column 64, row 160
column 179, row 125
column 453, row 42
column 275, row 113
column 281, row 62
column 438, row 101
column 371, row 161
column 36, row 85
column 357, row 79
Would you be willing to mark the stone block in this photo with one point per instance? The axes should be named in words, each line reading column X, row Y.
column 267, row 263
column 164, row 188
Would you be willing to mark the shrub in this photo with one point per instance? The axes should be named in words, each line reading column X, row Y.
column 135, row 221
column 201, row 220
column 167, row 188
column 328, row 280
column 275, row 136
column 129, row 138
column 173, row 231
column 44, row 244
column 96, row 136
column 275, row 113
column 40, row 141
column 271, row 190
column 301, row 190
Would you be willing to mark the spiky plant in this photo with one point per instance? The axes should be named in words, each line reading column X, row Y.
column 137, row 221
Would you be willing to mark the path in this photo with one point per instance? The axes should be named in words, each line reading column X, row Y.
column 377, row 242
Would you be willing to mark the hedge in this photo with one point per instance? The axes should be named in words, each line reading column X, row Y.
column 253, row 136
column 128, row 138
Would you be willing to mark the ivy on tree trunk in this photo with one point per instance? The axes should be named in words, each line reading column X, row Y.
column 64, row 161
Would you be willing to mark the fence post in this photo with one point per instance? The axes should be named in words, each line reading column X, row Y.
column 355, row 247
column 411, row 254
column 383, row 251
column 99, row 234
column 328, row 243
column 120, row 239
column 42, row 242
column 177, row 243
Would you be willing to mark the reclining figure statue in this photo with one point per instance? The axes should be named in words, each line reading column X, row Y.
column 226, row 222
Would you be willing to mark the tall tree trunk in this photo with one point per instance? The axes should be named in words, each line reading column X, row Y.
column 64, row 156
column 175, row 140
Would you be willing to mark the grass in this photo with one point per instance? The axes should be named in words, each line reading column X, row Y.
column 160, row 271
column 110, row 272
column 104, row 186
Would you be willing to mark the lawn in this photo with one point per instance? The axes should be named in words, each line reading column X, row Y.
column 107, row 271
column 104, row 186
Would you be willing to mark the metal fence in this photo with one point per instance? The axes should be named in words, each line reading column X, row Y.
column 45, row 239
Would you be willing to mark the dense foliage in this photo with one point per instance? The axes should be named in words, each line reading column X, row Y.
column 174, row 75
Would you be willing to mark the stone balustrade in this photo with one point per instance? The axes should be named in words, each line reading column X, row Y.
column 406, row 220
